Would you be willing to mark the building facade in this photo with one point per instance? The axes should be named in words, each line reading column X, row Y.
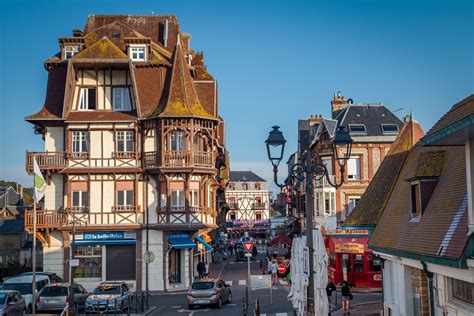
column 133, row 147
column 424, row 234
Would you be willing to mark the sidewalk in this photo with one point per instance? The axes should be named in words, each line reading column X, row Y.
column 215, row 269
column 367, row 309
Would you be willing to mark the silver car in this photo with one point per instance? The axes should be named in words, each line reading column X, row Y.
column 55, row 297
column 209, row 292
column 11, row 303
column 109, row 296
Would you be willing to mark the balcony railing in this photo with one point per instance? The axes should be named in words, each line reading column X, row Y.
column 50, row 160
column 126, row 208
column 125, row 155
column 178, row 158
column 259, row 206
column 323, row 183
column 45, row 219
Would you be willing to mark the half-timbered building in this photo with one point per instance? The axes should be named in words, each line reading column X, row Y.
column 133, row 147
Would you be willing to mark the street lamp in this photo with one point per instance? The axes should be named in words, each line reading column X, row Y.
column 72, row 223
column 310, row 169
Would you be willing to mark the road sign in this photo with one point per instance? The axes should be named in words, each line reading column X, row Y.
column 73, row 262
column 148, row 256
column 248, row 245
column 281, row 268
column 248, row 255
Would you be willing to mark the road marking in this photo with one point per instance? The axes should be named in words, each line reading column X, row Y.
column 176, row 306
column 232, row 262
column 280, row 314
column 282, row 282
column 242, row 282
column 229, row 282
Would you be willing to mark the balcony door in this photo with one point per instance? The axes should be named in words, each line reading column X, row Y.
column 177, row 201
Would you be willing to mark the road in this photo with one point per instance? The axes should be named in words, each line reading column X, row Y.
column 234, row 274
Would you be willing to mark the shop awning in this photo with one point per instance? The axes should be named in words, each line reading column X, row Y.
column 205, row 244
column 181, row 242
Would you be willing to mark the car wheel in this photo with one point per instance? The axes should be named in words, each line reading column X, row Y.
column 219, row 303
column 229, row 299
column 190, row 307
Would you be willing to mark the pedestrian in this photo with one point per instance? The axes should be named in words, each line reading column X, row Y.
column 346, row 297
column 274, row 272
column 330, row 287
column 254, row 252
column 201, row 268
column 262, row 267
column 231, row 249
column 269, row 266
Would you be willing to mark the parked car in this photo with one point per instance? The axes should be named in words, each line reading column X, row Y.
column 22, row 284
column 110, row 296
column 209, row 292
column 11, row 303
column 55, row 297
column 53, row 277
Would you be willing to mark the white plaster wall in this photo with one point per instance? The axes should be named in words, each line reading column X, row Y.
column 53, row 256
column 95, row 144
column 150, row 144
column 54, row 139
column 109, row 194
column 108, row 145
column 152, row 201
column 95, row 197
column 53, row 197
column 155, row 269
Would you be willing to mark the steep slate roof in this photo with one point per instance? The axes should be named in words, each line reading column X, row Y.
column 440, row 234
column 243, row 176
column 460, row 110
column 372, row 116
column 372, row 203
column 182, row 100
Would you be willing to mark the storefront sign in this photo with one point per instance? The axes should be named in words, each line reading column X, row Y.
column 349, row 248
column 91, row 236
column 348, row 232
column 377, row 277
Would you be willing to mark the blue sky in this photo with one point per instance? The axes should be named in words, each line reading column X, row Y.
column 276, row 61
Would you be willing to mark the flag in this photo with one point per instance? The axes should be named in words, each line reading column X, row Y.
column 40, row 184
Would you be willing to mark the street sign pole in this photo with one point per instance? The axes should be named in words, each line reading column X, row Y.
column 248, row 282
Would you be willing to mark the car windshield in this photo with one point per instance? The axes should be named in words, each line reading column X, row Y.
column 23, row 288
column 52, row 291
column 3, row 297
column 107, row 289
column 203, row 285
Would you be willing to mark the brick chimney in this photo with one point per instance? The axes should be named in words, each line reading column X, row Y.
column 338, row 104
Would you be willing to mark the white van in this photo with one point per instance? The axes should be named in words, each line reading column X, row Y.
column 22, row 284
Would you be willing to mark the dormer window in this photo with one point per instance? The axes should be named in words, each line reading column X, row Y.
column 70, row 51
column 389, row 128
column 88, row 100
column 138, row 52
column 357, row 128
column 420, row 194
column 121, row 99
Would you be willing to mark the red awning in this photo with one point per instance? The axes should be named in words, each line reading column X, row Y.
column 282, row 240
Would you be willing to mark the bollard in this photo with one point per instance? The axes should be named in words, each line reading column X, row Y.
column 257, row 307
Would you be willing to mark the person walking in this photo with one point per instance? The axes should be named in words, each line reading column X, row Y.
column 201, row 268
column 274, row 272
column 330, row 287
column 346, row 297
column 269, row 266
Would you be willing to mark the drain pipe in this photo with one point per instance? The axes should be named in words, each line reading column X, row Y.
column 429, row 276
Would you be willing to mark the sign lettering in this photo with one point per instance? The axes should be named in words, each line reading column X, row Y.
column 349, row 248
column 348, row 232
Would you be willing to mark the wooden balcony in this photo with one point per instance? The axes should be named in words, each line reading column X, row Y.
column 45, row 219
column 126, row 208
column 178, row 158
column 259, row 206
column 50, row 160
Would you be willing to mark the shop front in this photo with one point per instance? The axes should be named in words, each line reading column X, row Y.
column 350, row 259
column 105, row 256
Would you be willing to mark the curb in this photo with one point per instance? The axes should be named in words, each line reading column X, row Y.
column 151, row 310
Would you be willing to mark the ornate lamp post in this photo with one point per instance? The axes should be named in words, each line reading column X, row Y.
column 72, row 223
column 308, row 169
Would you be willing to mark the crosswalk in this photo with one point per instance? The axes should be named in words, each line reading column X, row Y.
column 276, row 314
column 244, row 282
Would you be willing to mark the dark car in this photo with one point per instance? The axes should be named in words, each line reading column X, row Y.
column 55, row 297
column 11, row 303
column 209, row 292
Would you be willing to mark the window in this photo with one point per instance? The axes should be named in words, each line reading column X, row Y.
column 194, row 198
column 357, row 128
column 329, row 202
column 462, row 291
column 245, row 186
column 375, row 264
column 232, row 216
column 352, row 203
column 415, row 200
column 90, row 261
column 137, row 53
column 125, row 141
column 70, row 51
column 80, row 199
column 327, row 161
column 197, row 143
column 258, row 216
column 88, row 99
column 358, row 263
column 121, row 99
column 353, row 168
column 79, row 143
column 389, row 128
column 174, row 265
column 125, row 198
column 177, row 140
column 177, row 201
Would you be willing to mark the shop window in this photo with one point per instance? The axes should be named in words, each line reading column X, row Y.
column 125, row 254
column 88, row 99
column 121, row 99
column 174, row 266
column 462, row 291
column 358, row 263
column 353, row 168
column 90, row 261
column 177, row 140
column 375, row 263
column 346, row 262
column 177, row 201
